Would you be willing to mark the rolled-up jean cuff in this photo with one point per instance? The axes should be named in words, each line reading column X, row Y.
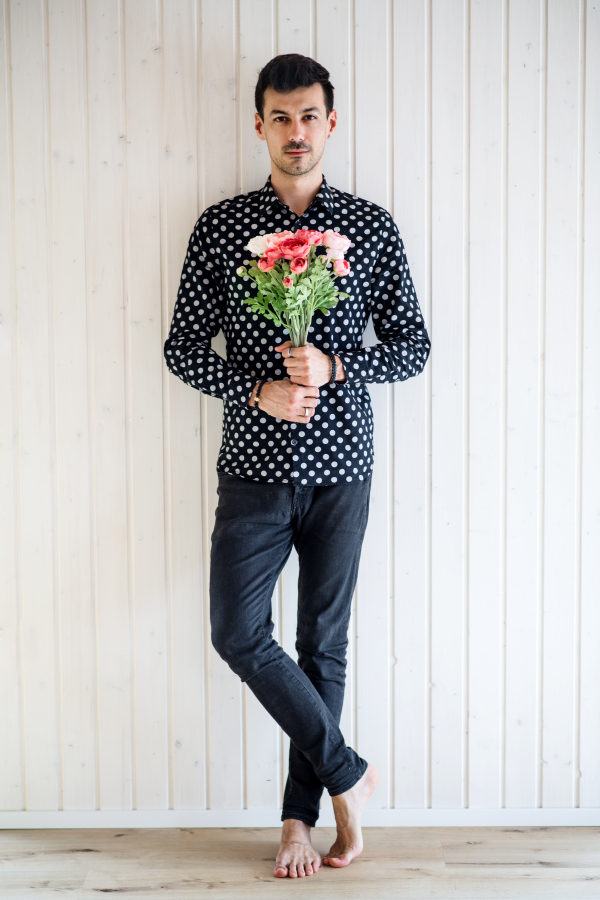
column 350, row 784
column 311, row 822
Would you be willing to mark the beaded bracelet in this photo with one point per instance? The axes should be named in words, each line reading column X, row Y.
column 256, row 396
column 333, row 369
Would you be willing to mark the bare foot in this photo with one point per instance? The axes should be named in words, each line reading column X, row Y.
column 348, row 809
column 296, row 857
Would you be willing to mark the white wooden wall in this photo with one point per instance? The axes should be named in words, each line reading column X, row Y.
column 474, row 677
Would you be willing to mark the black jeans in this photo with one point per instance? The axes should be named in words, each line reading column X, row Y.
column 256, row 526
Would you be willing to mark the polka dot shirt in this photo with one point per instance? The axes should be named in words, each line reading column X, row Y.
column 336, row 445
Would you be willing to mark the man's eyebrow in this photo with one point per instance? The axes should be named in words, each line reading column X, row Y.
column 282, row 112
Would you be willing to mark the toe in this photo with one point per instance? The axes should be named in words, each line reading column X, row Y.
column 280, row 871
column 292, row 871
column 308, row 869
column 300, row 870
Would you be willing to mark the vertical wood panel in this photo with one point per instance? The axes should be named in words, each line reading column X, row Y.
column 449, row 329
column 523, row 428
column 486, row 402
column 36, row 407
column 75, row 591
column 295, row 27
column 106, row 287
column 221, row 180
column 333, row 49
column 560, row 410
column 374, row 587
column 182, row 419
column 589, row 673
column 11, row 783
column 412, row 161
column 143, row 93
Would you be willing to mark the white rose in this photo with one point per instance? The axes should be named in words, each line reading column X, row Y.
column 257, row 245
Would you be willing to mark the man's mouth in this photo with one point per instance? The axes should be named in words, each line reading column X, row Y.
column 296, row 152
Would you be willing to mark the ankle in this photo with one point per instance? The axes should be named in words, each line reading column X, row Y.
column 295, row 829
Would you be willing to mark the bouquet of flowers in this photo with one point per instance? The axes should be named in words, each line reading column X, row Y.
column 295, row 276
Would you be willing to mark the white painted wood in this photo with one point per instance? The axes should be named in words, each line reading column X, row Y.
column 412, row 412
column 11, row 784
column 473, row 676
column 36, row 409
column 374, row 615
column 589, row 673
column 487, row 351
column 562, row 322
column 334, row 26
column 183, row 474
column 221, row 180
column 68, row 181
column 269, row 818
column 106, row 286
column 143, row 79
column 523, row 397
column 450, row 403
column 295, row 31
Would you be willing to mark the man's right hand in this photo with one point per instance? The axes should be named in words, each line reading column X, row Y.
column 286, row 400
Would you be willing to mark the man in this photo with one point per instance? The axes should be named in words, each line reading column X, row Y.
column 295, row 465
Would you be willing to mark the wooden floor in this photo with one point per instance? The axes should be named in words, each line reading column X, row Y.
column 237, row 863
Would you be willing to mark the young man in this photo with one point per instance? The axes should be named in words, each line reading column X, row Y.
column 295, row 468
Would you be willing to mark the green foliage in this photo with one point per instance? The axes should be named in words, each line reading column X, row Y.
column 293, row 307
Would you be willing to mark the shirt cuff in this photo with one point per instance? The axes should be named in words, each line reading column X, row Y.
column 240, row 387
column 356, row 367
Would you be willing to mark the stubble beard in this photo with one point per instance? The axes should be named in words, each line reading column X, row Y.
column 301, row 166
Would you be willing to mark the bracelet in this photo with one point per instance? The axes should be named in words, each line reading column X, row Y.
column 333, row 369
column 256, row 396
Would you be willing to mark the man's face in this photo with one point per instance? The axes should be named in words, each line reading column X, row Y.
column 295, row 128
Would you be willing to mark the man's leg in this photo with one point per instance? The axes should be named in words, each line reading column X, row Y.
column 329, row 542
column 251, row 542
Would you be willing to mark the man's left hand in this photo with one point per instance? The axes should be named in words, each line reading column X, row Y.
column 308, row 365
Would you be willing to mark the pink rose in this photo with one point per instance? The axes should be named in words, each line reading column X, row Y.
column 311, row 237
column 341, row 266
column 292, row 248
column 265, row 264
column 273, row 255
column 273, row 240
column 335, row 241
column 288, row 282
column 298, row 265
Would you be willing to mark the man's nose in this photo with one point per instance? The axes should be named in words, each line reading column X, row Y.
column 297, row 132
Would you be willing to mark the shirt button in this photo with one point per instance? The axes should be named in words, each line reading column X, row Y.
column 293, row 443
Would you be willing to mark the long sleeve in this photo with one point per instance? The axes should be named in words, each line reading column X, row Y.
column 197, row 317
column 397, row 320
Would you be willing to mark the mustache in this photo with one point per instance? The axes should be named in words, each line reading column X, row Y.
column 300, row 146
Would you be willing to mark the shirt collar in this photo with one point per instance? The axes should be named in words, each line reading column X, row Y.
column 269, row 199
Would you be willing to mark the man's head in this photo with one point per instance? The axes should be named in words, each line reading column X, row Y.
column 295, row 115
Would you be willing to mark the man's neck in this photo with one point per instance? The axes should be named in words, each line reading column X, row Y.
column 297, row 191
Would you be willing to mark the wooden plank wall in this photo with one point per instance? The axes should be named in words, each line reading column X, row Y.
column 474, row 675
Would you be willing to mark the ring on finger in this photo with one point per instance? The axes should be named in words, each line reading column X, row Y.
column 306, row 408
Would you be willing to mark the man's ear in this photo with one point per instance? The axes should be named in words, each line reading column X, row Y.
column 332, row 122
column 259, row 127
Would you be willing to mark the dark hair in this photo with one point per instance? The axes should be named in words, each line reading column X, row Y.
column 290, row 71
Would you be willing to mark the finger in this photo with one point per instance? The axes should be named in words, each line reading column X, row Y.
column 305, row 400
column 283, row 346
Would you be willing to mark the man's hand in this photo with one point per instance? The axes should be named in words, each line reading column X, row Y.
column 288, row 401
column 308, row 365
